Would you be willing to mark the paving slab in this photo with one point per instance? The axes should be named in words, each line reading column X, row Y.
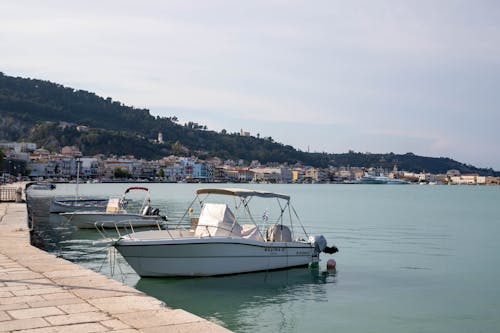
column 77, row 328
column 35, row 313
column 187, row 328
column 13, row 306
column 77, row 318
column 144, row 319
column 77, row 308
column 20, row 299
column 55, row 302
column 22, row 324
column 114, row 324
column 125, row 304
column 61, row 295
column 4, row 316
column 40, row 291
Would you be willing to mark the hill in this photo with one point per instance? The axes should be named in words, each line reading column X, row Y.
column 48, row 114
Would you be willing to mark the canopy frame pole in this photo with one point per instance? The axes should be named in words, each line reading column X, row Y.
column 187, row 210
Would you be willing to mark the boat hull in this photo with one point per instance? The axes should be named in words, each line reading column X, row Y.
column 88, row 220
column 212, row 256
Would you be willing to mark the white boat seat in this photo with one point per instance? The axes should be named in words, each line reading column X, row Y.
column 113, row 206
column 278, row 233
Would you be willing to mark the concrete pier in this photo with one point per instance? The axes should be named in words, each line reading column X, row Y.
column 42, row 293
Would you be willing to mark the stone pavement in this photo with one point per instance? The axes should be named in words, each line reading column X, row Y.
column 42, row 293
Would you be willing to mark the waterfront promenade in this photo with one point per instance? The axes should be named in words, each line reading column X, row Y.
column 42, row 293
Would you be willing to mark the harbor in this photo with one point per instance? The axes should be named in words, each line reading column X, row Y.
column 249, row 167
column 40, row 292
column 407, row 257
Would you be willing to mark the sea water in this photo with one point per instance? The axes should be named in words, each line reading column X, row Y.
column 412, row 259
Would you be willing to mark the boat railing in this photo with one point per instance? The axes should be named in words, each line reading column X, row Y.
column 127, row 226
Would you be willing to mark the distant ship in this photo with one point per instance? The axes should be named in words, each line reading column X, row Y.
column 381, row 179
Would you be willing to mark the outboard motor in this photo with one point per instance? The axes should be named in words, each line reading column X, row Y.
column 319, row 243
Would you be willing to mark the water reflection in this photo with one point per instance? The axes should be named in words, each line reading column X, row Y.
column 240, row 301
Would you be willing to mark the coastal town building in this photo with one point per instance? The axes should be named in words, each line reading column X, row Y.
column 272, row 175
column 127, row 164
column 26, row 159
column 71, row 151
column 243, row 133
column 297, row 175
column 469, row 179
column 19, row 147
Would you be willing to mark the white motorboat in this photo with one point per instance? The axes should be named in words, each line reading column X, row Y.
column 116, row 214
column 381, row 179
column 77, row 203
column 219, row 242
column 40, row 186
column 64, row 204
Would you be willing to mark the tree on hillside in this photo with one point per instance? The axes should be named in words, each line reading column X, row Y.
column 122, row 173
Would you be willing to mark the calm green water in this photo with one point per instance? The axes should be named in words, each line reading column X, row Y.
column 412, row 259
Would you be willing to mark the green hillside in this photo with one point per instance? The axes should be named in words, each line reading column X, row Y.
column 32, row 110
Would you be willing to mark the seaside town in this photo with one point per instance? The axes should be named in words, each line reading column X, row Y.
column 26, row 161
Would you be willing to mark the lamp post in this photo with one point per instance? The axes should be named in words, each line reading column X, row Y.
column 78, row 162
column 10, row 170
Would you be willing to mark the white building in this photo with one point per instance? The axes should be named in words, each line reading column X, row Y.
column 19, row 147
column 272, row 175
column 470, row 179
column 133, row 166
column 90, row 167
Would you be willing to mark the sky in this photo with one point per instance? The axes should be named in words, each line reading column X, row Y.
column 323, row 76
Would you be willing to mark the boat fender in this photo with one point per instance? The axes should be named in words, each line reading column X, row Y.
column 331, row 264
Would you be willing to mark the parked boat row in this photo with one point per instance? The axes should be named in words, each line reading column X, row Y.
column 219, row 233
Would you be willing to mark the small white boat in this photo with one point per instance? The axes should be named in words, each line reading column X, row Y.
column 40, row 186
column 64, row 205
column 381, row 179
column 76, row 203
column 220, row 242
column 116, row 214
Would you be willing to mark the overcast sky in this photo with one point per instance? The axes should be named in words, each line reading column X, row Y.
column 370, row 76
